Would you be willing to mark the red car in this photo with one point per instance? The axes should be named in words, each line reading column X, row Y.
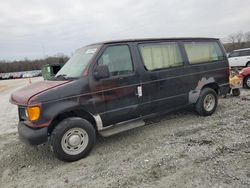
column 245, row 74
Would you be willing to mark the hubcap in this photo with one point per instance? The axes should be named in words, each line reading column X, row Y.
column 74, row 141
column 248, row 82
column 209, row 102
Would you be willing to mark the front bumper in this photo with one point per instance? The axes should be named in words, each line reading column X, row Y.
column 32, row 136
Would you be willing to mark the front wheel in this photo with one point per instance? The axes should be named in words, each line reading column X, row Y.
column 207, row 102
column 72, row 139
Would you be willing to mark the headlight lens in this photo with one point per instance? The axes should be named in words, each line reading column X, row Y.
column 33, row 113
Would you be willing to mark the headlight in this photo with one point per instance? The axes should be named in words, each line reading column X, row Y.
column 33, row 113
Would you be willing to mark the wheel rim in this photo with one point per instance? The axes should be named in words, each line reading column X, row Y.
column 209, row 102
column 74, row 141
column 248, row 82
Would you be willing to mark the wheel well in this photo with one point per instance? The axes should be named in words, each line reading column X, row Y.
column 71, row 113
column 213, row 86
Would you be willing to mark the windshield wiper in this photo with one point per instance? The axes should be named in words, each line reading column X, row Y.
column 64, row 76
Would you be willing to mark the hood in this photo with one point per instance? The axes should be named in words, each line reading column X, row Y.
column 22, row 96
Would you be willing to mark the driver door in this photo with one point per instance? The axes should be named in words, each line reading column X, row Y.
column 119, row 91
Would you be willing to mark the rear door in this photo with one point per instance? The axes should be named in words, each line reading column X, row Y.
column 235, row 59
column 244, row 57
column 118, row 93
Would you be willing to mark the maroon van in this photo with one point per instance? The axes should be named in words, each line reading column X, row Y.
column 110, row 87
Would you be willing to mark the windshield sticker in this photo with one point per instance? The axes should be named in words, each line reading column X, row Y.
column 91, row 51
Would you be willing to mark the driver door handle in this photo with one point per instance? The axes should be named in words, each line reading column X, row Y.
column 139, row 91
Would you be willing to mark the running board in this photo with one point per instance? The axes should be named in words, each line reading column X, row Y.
column 121, row 127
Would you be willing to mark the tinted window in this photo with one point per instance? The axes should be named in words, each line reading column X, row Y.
column 234, row 54
column 118, row 60
column 245, row 53
column 202, row 52
column 160, row 56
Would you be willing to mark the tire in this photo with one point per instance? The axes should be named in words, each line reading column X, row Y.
column 207, row 102
column 72, row 139
column 248, row 64
column 236, row 92
column 247, row 82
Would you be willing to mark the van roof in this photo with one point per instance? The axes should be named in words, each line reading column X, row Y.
column 242, row 49
column 154, row 39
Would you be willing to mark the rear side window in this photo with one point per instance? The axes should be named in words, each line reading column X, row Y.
column 203, row 52
column 118, row 60
column 245, row 53
column 161, row 56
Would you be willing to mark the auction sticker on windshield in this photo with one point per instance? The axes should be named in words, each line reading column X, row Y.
column 91, row 51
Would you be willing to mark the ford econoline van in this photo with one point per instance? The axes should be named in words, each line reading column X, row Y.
column 110, row 87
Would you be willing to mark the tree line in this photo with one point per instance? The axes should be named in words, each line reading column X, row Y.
column 28, row 65
column 237, row 41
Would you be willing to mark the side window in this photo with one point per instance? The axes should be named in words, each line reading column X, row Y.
column 234, row 54
column 203, row 52
column 160, row 56
column 245, row 53
column 118, row 60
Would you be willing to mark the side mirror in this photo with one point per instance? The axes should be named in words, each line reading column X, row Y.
column 101, row 71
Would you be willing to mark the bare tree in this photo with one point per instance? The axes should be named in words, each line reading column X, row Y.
column 240, row 39
column 232, row 38
column 26, row 65
column 247, row 36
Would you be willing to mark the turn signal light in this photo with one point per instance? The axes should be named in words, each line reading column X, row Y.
column 33, row 113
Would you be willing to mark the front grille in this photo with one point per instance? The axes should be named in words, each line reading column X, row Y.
column 21, row 113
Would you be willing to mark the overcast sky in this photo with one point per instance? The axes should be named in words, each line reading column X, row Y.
column 38, row 28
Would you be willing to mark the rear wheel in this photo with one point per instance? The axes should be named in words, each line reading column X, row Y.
column 247, row 82
column 207, row 102
column 72, row 139
column 248, row 64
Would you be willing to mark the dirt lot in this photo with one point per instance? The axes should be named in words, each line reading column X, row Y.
column 177, row 150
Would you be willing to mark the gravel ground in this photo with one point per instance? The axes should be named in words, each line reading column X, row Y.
column 176, row 150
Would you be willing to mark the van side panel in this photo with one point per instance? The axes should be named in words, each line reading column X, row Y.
column 171, row 88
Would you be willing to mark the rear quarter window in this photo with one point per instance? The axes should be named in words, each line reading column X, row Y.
column 203, row 52
column 245, row 53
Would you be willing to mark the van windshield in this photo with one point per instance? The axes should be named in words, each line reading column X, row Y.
column 75, row 66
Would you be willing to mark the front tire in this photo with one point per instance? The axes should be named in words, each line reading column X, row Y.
column 207, row 102
column 72, row 139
